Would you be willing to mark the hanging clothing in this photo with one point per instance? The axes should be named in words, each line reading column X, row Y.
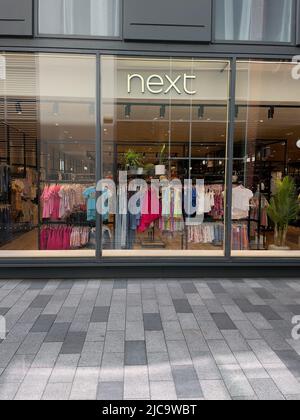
column 241, row 197
column 151, row 209
column 90, row 196
column 240, row 237
column 54, row 238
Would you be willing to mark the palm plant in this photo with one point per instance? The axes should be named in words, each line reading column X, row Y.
column 283, row 209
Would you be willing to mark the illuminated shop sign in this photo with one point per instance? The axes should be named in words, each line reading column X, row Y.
column 158, row 84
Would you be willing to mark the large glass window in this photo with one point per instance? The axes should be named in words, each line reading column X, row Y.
column 79, row 17
column 253, row 20
column 266, row 164
column 165, row 121
column 47, row 159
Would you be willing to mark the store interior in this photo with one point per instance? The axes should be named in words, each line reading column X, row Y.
column 48, row 157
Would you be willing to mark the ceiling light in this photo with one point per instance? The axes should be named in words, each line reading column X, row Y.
column 127, row 111
column 19, row 108
column 92, row 109
column 237, row 110
column 201, row 111
column 162, row 112
column 271, row 112
column 298, row 144
column 55, row 109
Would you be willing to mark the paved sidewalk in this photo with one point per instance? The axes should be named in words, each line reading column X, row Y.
column 150, row 339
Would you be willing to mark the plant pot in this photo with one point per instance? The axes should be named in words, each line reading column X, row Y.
column 132, row 170
column 279, row 248
column 140, row 171
column 280, row 239
column 160, row 169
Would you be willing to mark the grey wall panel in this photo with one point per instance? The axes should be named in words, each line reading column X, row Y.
column 168, row 20
column 16, row 17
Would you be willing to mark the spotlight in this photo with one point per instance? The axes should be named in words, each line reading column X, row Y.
column 55, row 109
column 201, row 112
column 237, row 110
column 92, row 109
column 271, row 112
column 162, row 112
column 19, row 108
column 127, row 111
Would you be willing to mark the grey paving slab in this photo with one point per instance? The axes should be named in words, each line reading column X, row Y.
column 41, row 301
column 186, row 382
column 73, row 343
column 112, row 367
column 152, row 322
column 43, row 323
column 236, row 381
column 182, row 306
column 223, row 322
column 100, row 314
column 266, row 389
column 159, row 367
column 163, row 390
column 135, row 353
column 214, row 390
column 188, row 287
column 58, row 332
column 110, row 391
column 150, row 339
column 57, row 392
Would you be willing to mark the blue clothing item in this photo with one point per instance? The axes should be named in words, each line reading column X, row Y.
column 90, row 196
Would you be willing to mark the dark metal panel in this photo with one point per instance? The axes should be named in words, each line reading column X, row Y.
column 145, row 48
column 229, row 165
column 298, row 23
column 98, row 156
column 152, row 272
column 168, row 20
column 16, row 17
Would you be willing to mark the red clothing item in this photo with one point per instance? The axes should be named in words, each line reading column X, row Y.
column 56, row 202
column 151, row 209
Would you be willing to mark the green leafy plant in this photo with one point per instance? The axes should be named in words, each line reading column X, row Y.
column 283, row 209
column 133, row 159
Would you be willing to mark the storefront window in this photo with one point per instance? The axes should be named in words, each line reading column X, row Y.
column 47, row 159
column 164, row 122
column 266, row 174
column 79, row 17
column 253, row 20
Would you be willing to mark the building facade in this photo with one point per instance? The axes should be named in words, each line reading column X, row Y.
column 199, row 91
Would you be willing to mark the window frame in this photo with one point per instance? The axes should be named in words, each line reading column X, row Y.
column 295, row 6
column 37, row 34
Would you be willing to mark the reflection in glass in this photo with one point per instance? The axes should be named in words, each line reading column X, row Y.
column 253, row 20
column 79, row 17
column 47, row 138
column 166, row 119
column 266, row 153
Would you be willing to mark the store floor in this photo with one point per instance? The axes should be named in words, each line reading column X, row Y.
column 150, row 339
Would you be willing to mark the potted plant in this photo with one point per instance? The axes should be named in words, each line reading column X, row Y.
column 160, row 169
column 133, row 162
column 149, row 169
column 283, row 209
